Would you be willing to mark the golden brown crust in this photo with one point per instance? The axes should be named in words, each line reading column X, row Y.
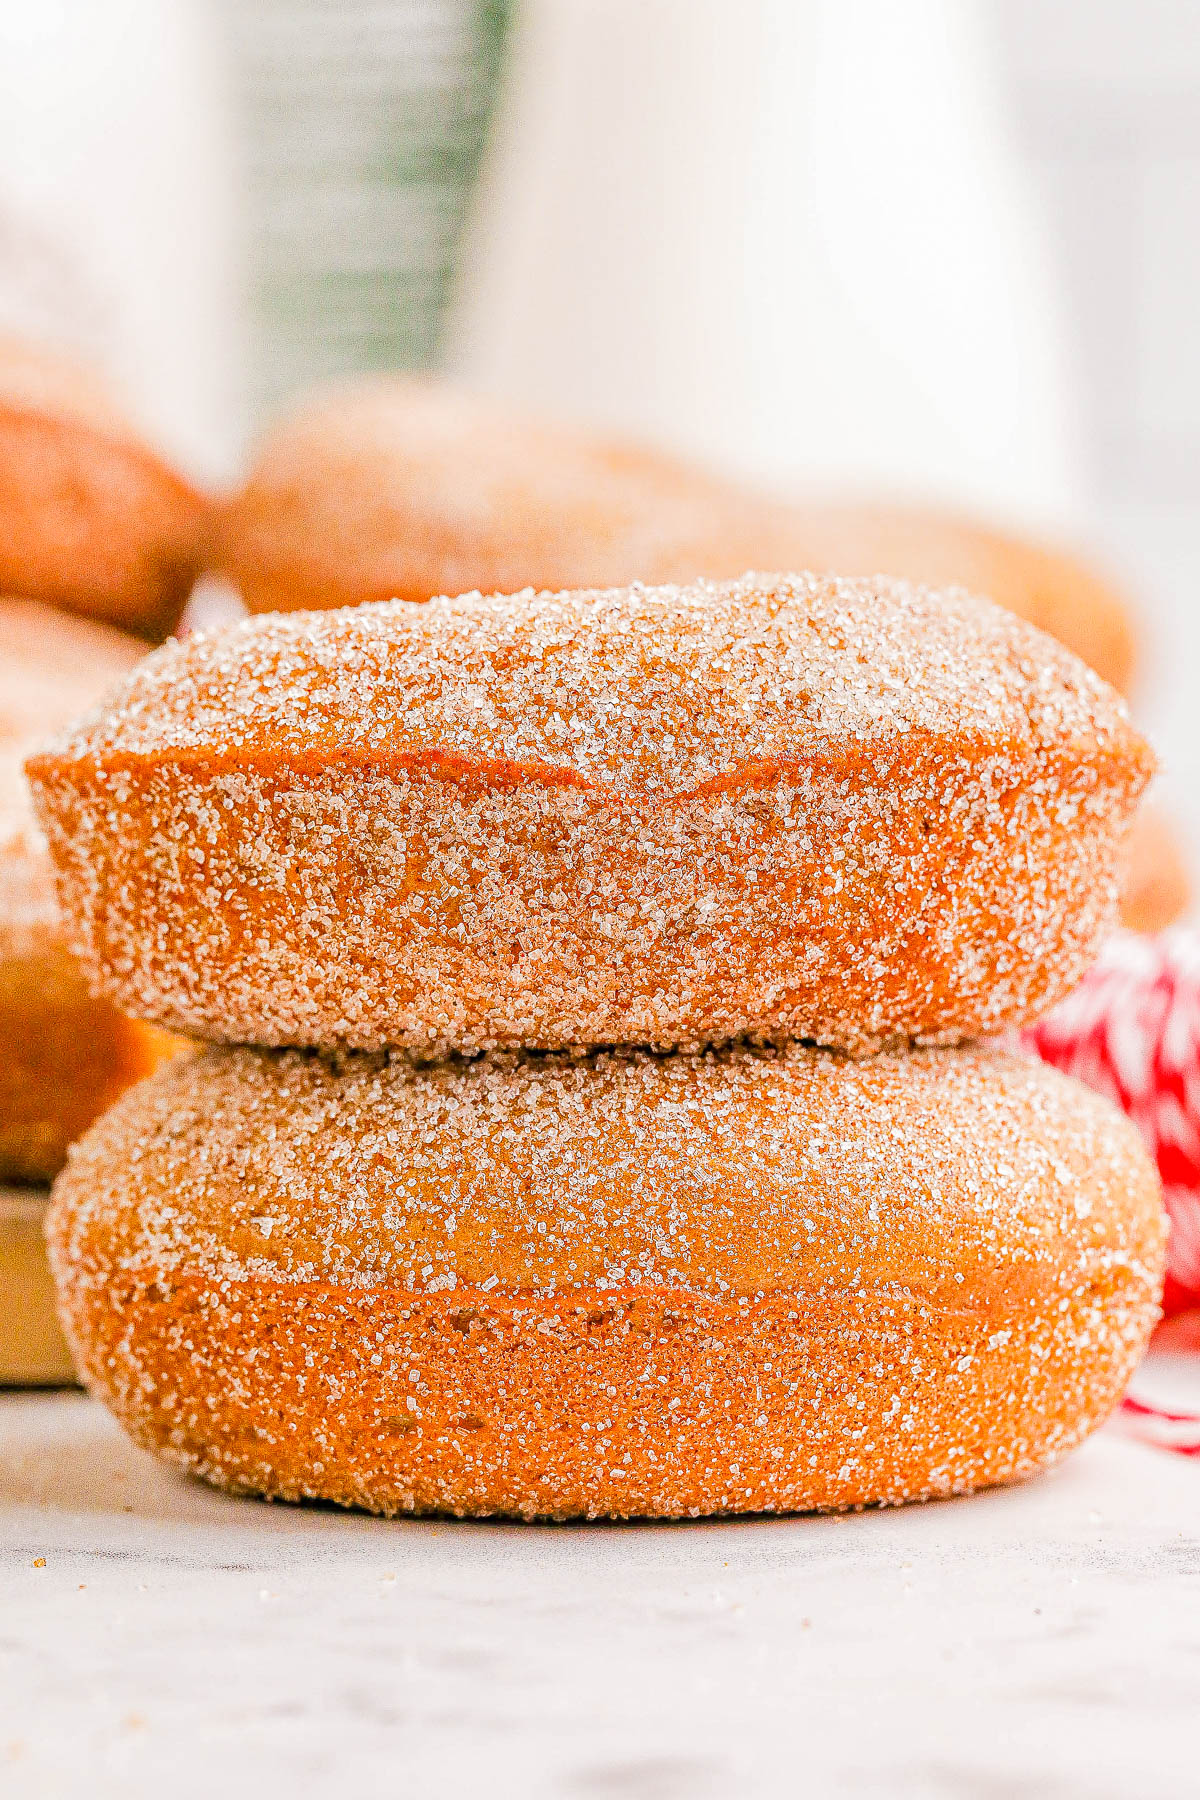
column 1158, row 884
column 852, row 812
column 622, row 1284
column 403, row 488
column 94, row 520
column 32, row 1350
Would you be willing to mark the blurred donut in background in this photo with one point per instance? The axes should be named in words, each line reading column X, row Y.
column 53, row 667
column 92, row 519
column 64, row 1057
column 401, row 487
column 1158, row 885
column 1050, row 587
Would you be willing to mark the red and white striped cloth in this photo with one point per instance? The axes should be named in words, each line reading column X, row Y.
column 1131, row 1029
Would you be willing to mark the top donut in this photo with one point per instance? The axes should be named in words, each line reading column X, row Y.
column 854, row 812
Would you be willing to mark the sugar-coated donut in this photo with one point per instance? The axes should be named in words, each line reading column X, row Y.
column 92, row 518
column 620, row 1284
column 1158, row 884
column 404, row 488
column 32, row 1350
column 64, row 1056
column 853, row 812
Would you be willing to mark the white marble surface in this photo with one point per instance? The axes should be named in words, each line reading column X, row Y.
column 1039, row 1642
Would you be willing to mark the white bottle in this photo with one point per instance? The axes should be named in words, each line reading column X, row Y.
column 117, row 230
column 786, row 236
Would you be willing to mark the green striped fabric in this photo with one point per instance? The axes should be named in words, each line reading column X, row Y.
column 360, row 126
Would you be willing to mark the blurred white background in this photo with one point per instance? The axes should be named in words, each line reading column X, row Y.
column 790, row 238
column 1105, row 100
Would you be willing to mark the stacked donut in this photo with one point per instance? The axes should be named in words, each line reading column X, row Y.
column 93, row 522
column 589, row 1124
column 64, row 1056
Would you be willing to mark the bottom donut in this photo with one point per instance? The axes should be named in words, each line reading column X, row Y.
column 621, row 1285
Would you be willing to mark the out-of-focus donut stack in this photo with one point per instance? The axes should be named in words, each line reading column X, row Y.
column 587, row 1127
column 96, row 532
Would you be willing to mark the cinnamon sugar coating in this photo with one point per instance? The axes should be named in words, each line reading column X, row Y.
column 621, row 1284
column 402, row 487
column 92, row 518
column 853, row 812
